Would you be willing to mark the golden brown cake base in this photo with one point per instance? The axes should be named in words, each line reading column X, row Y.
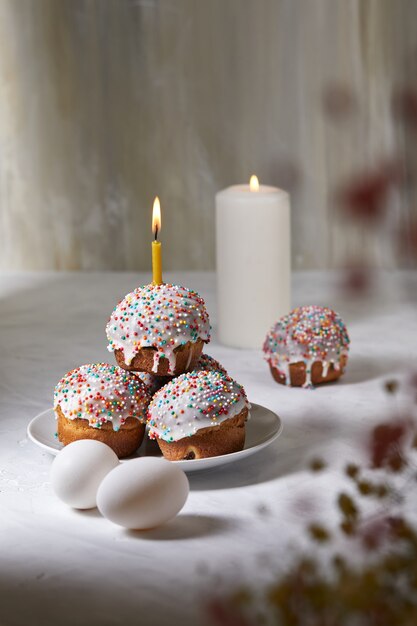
column 298, row 373
column 228, row 437
column 186, row 358
column 124, row 441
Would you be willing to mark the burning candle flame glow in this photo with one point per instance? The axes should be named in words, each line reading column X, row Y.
column 254, row 183
column 156, row 217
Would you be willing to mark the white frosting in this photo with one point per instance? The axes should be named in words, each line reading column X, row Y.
column 160, row 316
column 193, row 401
column 101, row 393
column 307, row 334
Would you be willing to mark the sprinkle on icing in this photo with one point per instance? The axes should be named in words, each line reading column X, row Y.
column 159, row 316
column 193, row 401
column 307, row 334
column 101, row 393
column 207, row 363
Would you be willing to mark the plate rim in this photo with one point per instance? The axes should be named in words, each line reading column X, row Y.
column 192, row 464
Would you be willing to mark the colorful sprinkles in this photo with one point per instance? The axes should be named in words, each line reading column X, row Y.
column 159, row 316
column 307, row 334
column 193, row 401
column 101, row 393
column 208, row 364
column 152, row 382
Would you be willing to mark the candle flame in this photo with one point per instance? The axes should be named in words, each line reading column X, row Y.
column 156, row 217
column 254, row 183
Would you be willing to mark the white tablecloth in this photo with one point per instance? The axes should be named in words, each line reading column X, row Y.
column 241, row 523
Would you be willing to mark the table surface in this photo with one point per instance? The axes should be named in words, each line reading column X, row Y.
column 242, row 522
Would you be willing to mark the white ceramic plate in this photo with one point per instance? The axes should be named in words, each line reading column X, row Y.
column 262, row 428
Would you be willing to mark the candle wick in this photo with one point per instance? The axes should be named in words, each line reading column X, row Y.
column 156, row 233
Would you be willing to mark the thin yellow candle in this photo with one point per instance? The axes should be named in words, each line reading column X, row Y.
column 156, row 245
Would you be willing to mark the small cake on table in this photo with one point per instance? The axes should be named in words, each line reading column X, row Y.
column 103, row 402
column 160, row 329
column 198, row 415
column 307, row 347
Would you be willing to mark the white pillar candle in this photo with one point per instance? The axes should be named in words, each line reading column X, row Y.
column 253, row 262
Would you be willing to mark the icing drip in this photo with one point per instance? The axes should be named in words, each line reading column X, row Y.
column 207, row 363
column 309, row 365
column 326, row 365
column 307, row 334
column 101, row 393
column 193, row 401
column 160, row 316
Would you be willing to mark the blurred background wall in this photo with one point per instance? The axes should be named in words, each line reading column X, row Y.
column 106, row 103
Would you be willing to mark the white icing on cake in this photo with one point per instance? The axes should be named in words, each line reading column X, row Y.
column 164, row 317
column 193, row 401
column 307, row 334
column 101, row 393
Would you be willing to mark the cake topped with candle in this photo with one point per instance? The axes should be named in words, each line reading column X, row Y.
column 308, row 346
column 159, row 329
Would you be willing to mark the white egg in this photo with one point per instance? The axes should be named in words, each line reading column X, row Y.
column 143, row 493
column 78, row 470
